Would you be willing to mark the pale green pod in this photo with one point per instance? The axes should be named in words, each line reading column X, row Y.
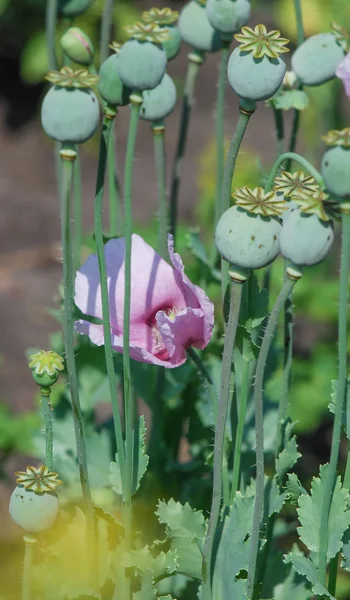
column 159, row 102
column 77, row 46
column 305, row 239
column 254, row 78
column 73, row 8
column 173, row 44
column 142, row 64
column 110, row 86
column 317, row 59
column 292, row 205
column 335, row 169
column 33, row 512
column 70, row 115
column 247, row 240
column 228, row 16
column 196, row 30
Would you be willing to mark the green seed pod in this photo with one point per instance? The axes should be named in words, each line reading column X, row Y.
column 247, row 240
column 196, row 30
column 142, row 64
column 70, row 115
column 73, row 8
column 159, row 102
column 228, row 16
column 110, row 85
column 317, row 59
column 305, row 239
column 335, row 169
column 254, row 79
column 173, row 44
column 77, row 46
column 32, row 511
column 44, row 380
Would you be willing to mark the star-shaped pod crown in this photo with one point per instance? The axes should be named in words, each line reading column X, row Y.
column 261, row 42
column 46, row 362
column 160, row 16
column 338, row 138
column 116, row 47
column 342, row 36
column 292, row 185
column 39, row 480
column 318, row 204
column 66, row 77
column 258, row 203
column 147, row 32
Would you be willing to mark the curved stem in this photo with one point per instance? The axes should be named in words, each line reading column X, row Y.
column 279, row 126
column 259, row 431
column 301, row 160
column 240, row 429
column 78, row 211
column 107, row 125
column 51, row 20
column 29, row 545
column 67, row 160
column 45, row 393
column 340, row 394
column 224, row 398
column 194, row 62
column 159, row 153
column 220, row 139
column 106, row 25
column 115, row 212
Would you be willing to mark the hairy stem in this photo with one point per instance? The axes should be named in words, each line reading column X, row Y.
column 78, row 212
column 29, row 546
column 259, row 431
column 107, row 125
column 243, row 400
column 299, row 159
column 47, row 412
column 223, row 404
column 195, row 60
column 51, row 20
column 158, row 131
column 106, row 26
column 114, row 190
column 340, row 393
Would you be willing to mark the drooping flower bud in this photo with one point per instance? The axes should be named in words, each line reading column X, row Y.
column 77, row 46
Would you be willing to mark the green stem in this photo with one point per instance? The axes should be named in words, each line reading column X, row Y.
column 106, row 26
column 296, row 115
column 114, row 192
column 301, row 160
column 333, row 574
column 243, row 400
column 51, row 21
column 158, row 131
column 78, row 212
column 346, row 482
column 107, row 125
column 67, row 159
column 45, row 393
column 220, row 139
column 259, row 431
column 223, row 404
column 340, row 394
column 279, row 125
column 195, row 59
column 299, row 19
column 29, row 546
column 136, row 101
column 201, row 366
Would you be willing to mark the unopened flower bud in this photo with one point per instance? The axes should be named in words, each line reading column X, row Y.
column 77, row 46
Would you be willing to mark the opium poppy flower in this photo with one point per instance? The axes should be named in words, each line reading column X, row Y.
column 343, row 72
column 168, row 313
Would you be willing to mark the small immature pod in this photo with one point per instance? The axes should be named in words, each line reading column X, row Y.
column 166, row 19
column 142, row 59
column 335, row 166
column 159, row 102
column 316, row 60
column 196, row 29
column 70, row 110
column 77, row 46
column 73, row 8
column 45, row 367
column 110, row 86
column 228, row 16
column 255, row 70
column 247, row 235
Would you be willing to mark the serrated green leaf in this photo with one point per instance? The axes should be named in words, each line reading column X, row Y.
column 247, row 348
column 289, row 455
column 186, row 529
column 162, row 566
column 288, row 99
column 281, row 581
column 309, row 513
column 294, row 488
column 304, row 566
column 140, row 460
column 346, row 409
column 196, row 247
column 147, row 591
column 258, row 304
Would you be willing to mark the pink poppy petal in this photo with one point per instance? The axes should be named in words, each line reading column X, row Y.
column 95, row 332
column 181, row 332
column 195, row 296
column 87, row 288
column 343, row 72
column 142, row 355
